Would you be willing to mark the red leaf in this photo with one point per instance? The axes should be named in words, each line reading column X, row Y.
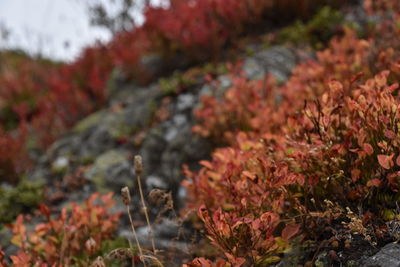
column 390, row 134
column 374, row 182
column 250, row 175
column 290, row 230
column 236, row 261
column 398, row 160
column 385, row 161
column 335, row 86
column 368, row 149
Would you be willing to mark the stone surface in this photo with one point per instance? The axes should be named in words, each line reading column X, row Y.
column 388, row 256
column 278, row 61
column 111, row 171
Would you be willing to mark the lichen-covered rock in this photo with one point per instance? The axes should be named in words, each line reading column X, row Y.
column 89, row 122
column 111, row 171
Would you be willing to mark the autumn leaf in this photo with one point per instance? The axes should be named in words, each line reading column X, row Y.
column 206, row 164
column 290, row 230
column 385, row 161
column 368, row 149
column 355, row 174
column 250, row 175
column 374, row 182
column 236, row 261
column 390, row 134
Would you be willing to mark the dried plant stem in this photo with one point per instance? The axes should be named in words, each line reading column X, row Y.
column 146, row 213
column 154, row 260
column 126, row 198
column 135, row 235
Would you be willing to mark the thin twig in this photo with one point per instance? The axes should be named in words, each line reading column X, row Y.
column 127, row 199
column 138, row 171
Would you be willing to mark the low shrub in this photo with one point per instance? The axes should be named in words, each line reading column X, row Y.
column 75, row 238
column 308, row 154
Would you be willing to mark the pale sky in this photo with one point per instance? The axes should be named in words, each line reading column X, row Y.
column 44, row 26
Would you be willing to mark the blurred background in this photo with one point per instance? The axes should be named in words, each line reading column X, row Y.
column 60, row 29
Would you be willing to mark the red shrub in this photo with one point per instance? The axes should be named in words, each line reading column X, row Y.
column 61, row 240
column 331, row 136
column 201, row 28
column 222, row 119
column 53, row 99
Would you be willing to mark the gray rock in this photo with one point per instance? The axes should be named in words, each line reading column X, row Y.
column 152, row 149
column 152, row 63
column 206, row 90
column 170, row 133
column 185, row 101
column 253, row 69
column 60, row 165
column 153, row 181
column 165, row 235
column 225, row 82
column 388, row 256
column 89, row 122
column 5, row 241
column 278, row 60
column 111, row 171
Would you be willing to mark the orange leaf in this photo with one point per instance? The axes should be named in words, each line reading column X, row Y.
column 374, row 182
column 206, row 164
column 250, row 175
column 355, row 174
column 236, row 261
column 398, row 160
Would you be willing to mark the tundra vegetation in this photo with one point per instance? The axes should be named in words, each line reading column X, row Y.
column 310, row 161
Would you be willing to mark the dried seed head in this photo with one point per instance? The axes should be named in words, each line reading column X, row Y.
column 99, row 262
column 157, row 197
column 121, row 254
column 138, row 165
column 90, row 245
column 126, row 196
column 160, row 198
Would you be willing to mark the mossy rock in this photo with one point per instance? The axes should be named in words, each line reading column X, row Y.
column 89, row 122
column 111, row 171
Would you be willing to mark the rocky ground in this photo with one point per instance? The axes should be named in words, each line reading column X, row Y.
column 97, row 155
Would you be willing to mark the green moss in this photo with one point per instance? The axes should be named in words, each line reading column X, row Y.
column 217, row 68
column 89, row 122
column 119, row 129
column 20, row 199
column 174, row 83
column 316, row 31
